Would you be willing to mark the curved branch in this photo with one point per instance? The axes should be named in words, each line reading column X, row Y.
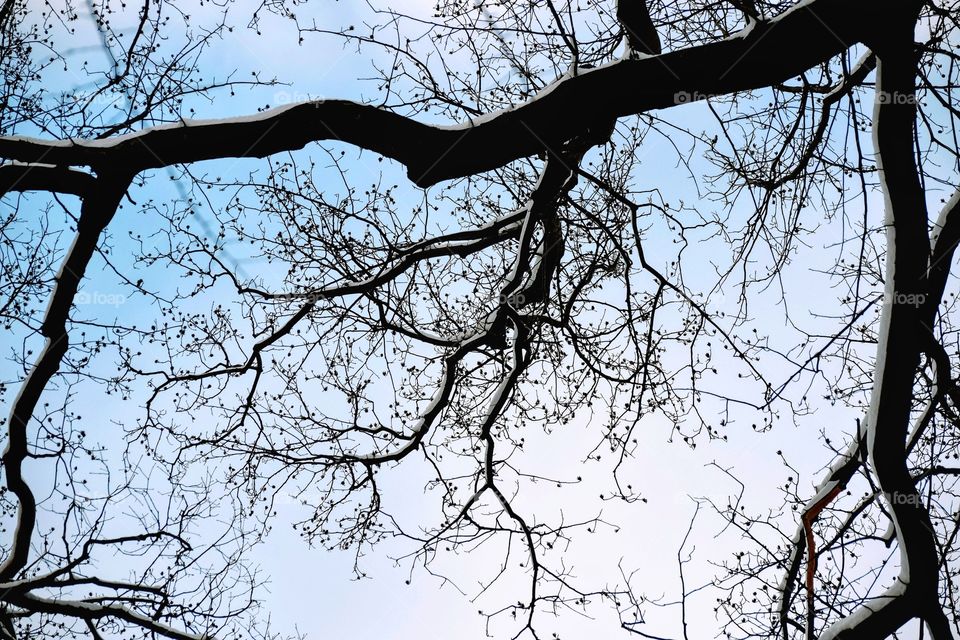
column 97, row 211
column 41, row 177
column 765, row 54
column 900, row 343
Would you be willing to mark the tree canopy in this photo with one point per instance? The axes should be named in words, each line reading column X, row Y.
column 524, row 233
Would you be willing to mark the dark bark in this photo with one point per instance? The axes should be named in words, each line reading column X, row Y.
column 634, row 16
column 770, row 53
column 98, row 209
column 901, row 339
column 44, row 178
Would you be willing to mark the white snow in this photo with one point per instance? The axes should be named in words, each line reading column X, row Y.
column 851, row 621
column 942, row 218
column 108, row 143
column 38, row 165
column 883, row 332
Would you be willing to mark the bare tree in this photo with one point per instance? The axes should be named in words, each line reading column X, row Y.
column 530, row 269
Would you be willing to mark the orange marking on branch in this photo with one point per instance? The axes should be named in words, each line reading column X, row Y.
column 809, row 517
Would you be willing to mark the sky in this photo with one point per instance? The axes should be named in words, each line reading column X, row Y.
column 314, row 591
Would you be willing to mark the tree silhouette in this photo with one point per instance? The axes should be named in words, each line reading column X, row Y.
column 540, row 271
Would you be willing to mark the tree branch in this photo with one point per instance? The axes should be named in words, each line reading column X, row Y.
column 764, row 55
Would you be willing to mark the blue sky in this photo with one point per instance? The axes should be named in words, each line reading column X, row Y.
column 314, row 590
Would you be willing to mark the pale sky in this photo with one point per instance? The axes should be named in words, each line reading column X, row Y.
column 313, row 590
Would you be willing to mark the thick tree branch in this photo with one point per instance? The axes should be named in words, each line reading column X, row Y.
column 766, row 54
column 97, row 211
column 38, row 177
column 900, row 344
